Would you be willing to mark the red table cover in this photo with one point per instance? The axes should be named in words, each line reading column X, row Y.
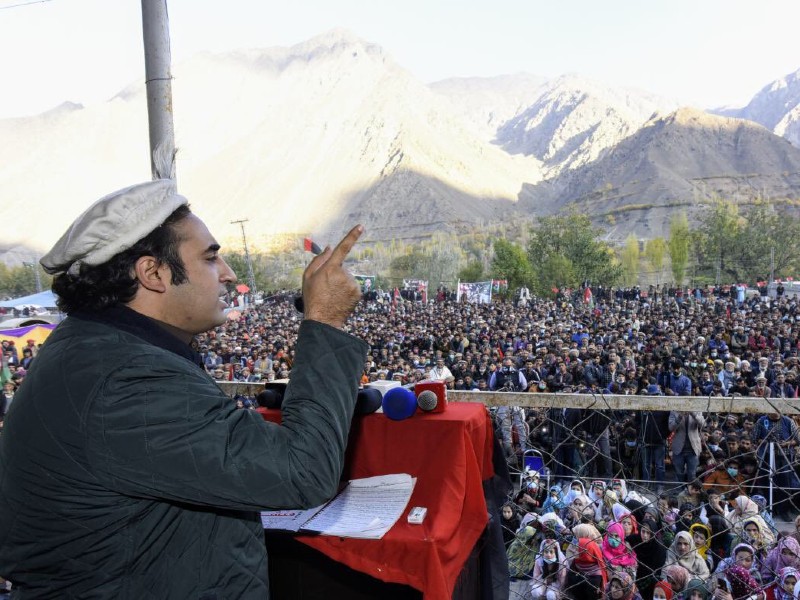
column 450, row 454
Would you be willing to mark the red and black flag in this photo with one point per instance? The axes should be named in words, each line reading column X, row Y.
column 310, row 246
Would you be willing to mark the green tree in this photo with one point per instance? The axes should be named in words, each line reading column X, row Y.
column 742, row 245
column 679, row 242
column 654, row 252
column 557, row 271
column 719, row 240
column 630, row 261
column 510, row 262
column 21, row 280
column 570, row 236
column 472, row 272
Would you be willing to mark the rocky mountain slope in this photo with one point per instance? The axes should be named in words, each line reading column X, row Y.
column 315, row 137
column 675, row 162
column 777, row 107
column 575, row 120
column 296, row 139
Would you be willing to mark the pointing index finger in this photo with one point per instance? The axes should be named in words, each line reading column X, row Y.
column 343, row 249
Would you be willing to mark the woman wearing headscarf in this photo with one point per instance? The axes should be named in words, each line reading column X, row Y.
column 785, row 554
column 555, row 500
column 650, row 554
column 735, row 583
column 661, row 591
column 756, row 533
column 695, row 590
column 624, row 516
column 587, row 530
column 743, row 555
column 509, row 522
column 721, row 540
column 549, row 572
column 551, row 527
column 574, row 512
column 743, row 508
column 521, row 558
column 683, row 552
column 617, row 552
column 677, row 577
column 763, row 511
column 701, row 534
column 587, row 571
column 783, row 586
column 621, row 587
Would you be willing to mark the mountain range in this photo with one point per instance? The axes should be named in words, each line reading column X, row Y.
column 312, row 138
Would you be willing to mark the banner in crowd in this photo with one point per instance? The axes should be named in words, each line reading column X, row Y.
column 476, row 293
column 418, row 285
column 38, row 333
column 367, row 282
column 499, row 285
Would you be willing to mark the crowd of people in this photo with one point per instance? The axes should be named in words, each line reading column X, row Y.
column 614, row 523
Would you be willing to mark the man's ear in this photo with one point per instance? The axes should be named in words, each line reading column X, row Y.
column 151, row 274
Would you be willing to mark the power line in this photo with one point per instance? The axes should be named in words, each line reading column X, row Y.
column 24, row 4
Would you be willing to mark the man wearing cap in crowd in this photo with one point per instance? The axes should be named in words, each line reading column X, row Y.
column 124, row 470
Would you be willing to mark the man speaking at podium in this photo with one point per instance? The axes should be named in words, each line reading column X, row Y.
column 124, row 471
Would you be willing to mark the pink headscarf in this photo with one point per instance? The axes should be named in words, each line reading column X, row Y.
column 776, row 561
column 622, row 555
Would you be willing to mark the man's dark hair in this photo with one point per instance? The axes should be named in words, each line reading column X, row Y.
column 114, row 282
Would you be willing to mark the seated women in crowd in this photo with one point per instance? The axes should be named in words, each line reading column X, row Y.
column 743, row 555
column 661, row 591
column 683, row 552
column 624, row 516
column 677, row 577
column 695, row 590
column 756, row 533
column 618, row 553
column 587, row 571
column 786, row 554
column 555, row 500
column 735, row 583
column 783, row 586
column 510, row 522
column 743, row 509
column 521, row 558
column 651, row 554
column 701, row 534
column 549, row 572
column 621, row 587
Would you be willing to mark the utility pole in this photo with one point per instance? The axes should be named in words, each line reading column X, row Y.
column 250, row 275
column 37, row 276
column 771, row 265
column 158, row 80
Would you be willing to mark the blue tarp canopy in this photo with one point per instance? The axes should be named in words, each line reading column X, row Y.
column 44, row 299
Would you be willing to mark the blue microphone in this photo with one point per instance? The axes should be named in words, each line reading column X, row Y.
column 399, row 403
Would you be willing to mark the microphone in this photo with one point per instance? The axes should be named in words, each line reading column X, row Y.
column 313, row 247
column 399, row 403
column 431, row 395
column 367, row 400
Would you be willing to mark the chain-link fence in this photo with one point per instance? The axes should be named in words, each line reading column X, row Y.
column 629, row 491
column 621, row 491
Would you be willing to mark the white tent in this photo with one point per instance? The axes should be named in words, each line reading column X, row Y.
column 42, row 299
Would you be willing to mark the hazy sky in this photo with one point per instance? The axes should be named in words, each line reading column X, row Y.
column 705, row 52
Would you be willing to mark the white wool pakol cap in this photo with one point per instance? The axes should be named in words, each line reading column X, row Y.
column 112, row 225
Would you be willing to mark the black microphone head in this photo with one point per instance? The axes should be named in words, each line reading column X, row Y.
column 272, row 396
column 427, row 400
column 298, row 304
column 270, row 399
column 368, row 401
